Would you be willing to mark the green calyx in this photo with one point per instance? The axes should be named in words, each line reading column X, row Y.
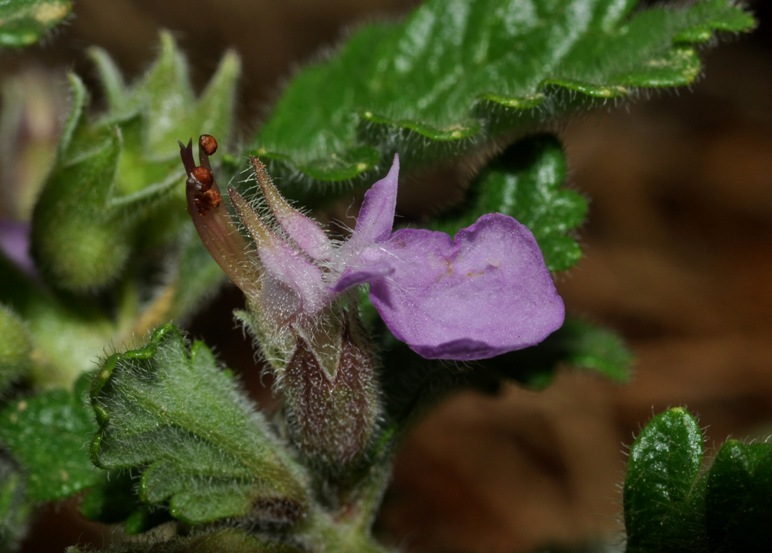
column 115, row 183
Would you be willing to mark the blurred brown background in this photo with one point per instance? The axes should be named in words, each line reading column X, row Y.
column 678, row 259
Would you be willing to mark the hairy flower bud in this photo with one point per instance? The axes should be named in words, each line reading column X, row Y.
column 333, row 415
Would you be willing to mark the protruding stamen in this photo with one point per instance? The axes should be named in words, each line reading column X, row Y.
column 213, row 223
column 186, row 153
column 200, row 184
column 204, row 177
column 208, row 144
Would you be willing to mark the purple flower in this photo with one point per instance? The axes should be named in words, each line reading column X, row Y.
column 483, row 293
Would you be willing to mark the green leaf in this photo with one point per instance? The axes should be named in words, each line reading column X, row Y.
column 117, row 177
column 47, row 434
column 662, row 494
column 738, row 500
column 167, row 411
column 526, row 182
column 24, row 22
column 457, row 74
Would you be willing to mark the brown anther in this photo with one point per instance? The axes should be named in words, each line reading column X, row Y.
column 213, row 197
column 208, row 143
column 203, row 176
column 206, row 201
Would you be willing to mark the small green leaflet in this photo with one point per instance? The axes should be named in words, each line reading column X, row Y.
column 168, row 411
column 673, row 504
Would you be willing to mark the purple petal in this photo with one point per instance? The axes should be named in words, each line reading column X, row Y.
column 376, row 216
column 369, row 265
column 294, row 270
column 285, row 264
column 484, row 294
column 303, row 230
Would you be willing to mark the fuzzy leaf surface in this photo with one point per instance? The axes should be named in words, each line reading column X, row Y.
column 168, row 411
column 24, row 22
column 48, row 435
column 457, row 73
column 663, row 497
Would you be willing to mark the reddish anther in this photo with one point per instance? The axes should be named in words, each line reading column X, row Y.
column 203, row 176
column 207, row 200
column 207, row 143
column 203, row 193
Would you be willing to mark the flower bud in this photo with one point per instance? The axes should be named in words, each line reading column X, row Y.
column 333, row 416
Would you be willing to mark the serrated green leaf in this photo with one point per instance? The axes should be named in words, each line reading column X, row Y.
column 663, row 496
column 48, row 435
column 457, row 74
column 24, row 22
column 738, row 501
column 526, row 182
column 167, row 411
